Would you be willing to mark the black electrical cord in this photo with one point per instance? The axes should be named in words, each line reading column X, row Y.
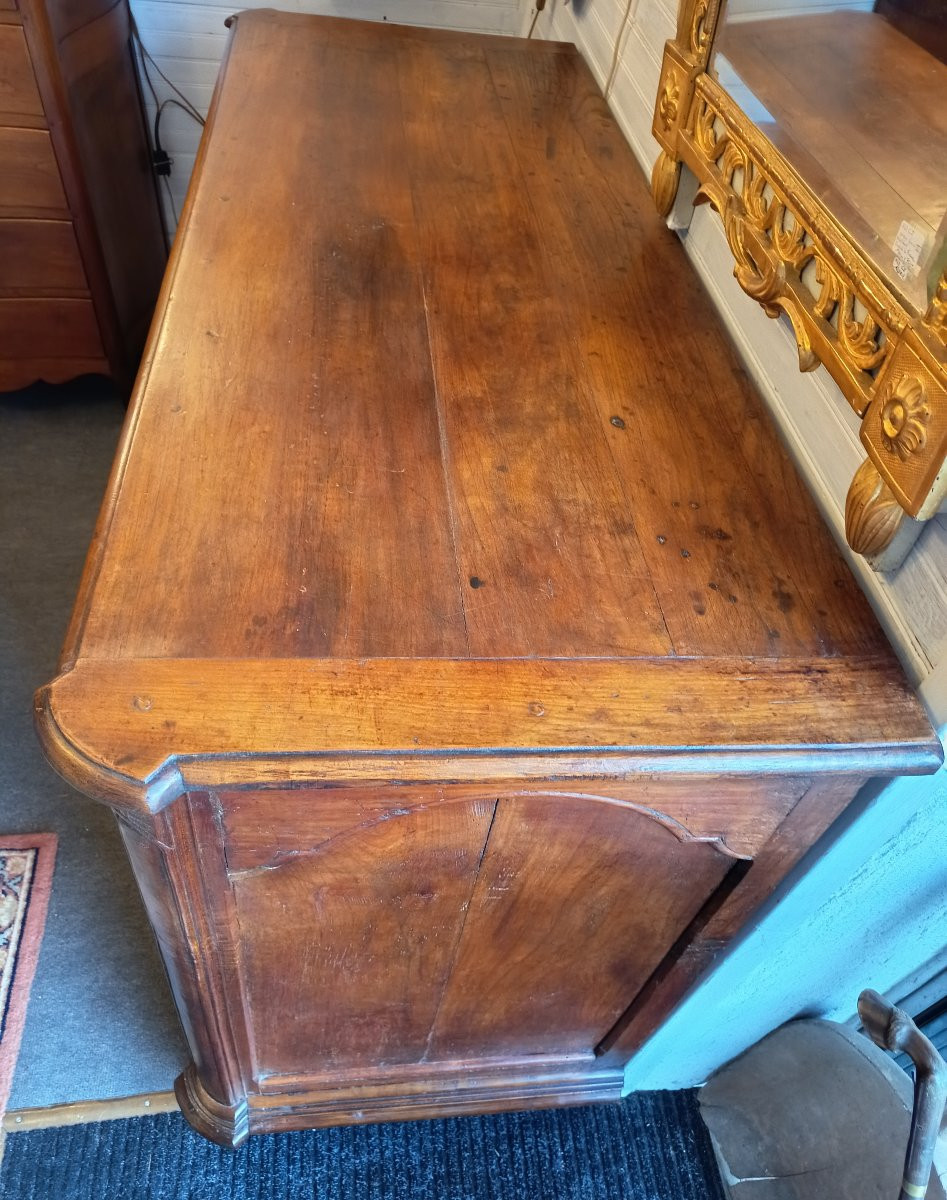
column 161, row 161
column 146, row 58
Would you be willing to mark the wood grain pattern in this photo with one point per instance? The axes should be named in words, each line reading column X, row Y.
column 552, row 975
column 699, row 528
column 40, row 329
column 457, row 644
column 18, row 91
column 262, row 828
column 359, row 466
column 179, row 892
column 325, row 718
column 540, row 513
column 189, row 40
column 413, row 1095
column 376, row 914
column 607, row 494
column 803, row 826
column 39, row 256
column 30, row 178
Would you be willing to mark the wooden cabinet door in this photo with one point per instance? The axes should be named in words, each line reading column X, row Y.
column 576, row 903
column 348, row 943
column 471, row 928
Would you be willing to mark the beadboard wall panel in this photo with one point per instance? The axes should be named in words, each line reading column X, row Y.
column 817, row 424
column 187, row 40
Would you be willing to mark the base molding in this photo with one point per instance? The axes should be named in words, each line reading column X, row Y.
column 225, row 1124
column 315, row 1104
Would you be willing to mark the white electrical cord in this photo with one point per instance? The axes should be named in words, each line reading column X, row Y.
column 616, row 56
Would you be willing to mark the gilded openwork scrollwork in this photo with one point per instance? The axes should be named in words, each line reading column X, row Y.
column 794, row 258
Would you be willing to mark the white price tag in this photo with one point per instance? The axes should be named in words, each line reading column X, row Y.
column 909, row 248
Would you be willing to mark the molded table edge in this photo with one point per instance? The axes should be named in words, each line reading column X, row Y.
column 136, row 733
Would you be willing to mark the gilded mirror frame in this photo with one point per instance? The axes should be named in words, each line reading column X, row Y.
column 889, row 362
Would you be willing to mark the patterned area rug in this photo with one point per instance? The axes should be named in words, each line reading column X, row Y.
column 26, row 872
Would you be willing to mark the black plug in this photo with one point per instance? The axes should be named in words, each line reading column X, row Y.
column 161, row 161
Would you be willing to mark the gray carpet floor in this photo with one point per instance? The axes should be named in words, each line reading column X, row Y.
column 100, row 1021
column 652, row 1146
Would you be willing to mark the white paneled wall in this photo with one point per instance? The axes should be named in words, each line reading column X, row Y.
column 867, row 908
column 187, row 39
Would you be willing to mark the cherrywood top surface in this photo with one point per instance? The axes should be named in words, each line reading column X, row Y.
column 433, row 336
column 431, row 380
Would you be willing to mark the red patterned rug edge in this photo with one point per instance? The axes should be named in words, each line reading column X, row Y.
column 26, row 950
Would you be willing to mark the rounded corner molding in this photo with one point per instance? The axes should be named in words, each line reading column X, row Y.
column 65, row 753
column 226, row 1124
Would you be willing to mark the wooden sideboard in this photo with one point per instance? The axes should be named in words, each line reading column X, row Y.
column 82, row 247
column 459, row 650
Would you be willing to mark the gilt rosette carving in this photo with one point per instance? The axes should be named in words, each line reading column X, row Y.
column 905, row 415
column 905, row 429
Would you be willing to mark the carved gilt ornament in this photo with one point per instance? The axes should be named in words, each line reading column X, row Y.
column 701, row 28
column 905, row 414
column 669, row 104
column 794, row 258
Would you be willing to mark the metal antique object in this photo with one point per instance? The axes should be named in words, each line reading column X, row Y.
column 892, row 1029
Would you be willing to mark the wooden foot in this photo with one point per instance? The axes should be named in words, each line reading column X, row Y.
column 876, row 525
column 225, row 1124
column 665, row 178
